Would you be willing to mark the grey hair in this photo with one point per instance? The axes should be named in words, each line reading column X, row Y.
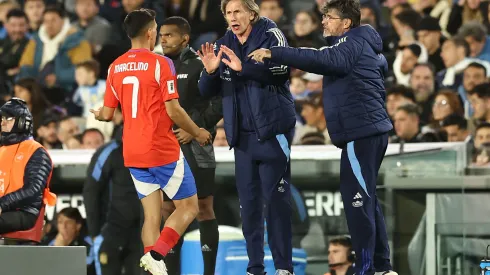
column 473, row 29
column 249, row 4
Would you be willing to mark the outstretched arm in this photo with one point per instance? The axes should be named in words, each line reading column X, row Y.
column 332, row 60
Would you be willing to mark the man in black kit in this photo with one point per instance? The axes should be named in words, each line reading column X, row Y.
column 174, row 36
column 113, row 211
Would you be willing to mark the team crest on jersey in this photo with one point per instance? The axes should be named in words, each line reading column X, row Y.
column 171, row 87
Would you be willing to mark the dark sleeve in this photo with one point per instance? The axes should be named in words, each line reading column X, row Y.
column 214, row 113
column 455, row 19
column 36, row 176
column 269, row 73
column 97, row 180
column 332, row 60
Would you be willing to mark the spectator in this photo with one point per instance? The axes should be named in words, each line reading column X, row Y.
column 46, row 132
column 314, row 82
column 92, row 138
column 397, row 96
column 341, row 256
column 69, row 223
column 305, row 31
column 67, row 128
column 446, row 103
column 5, row 7
column 407, row 126
column 207, row 22
column 12, row 46
column 30, row 91
column 52, row 54
column 274, row 10
column 429, row 34
column 422, row 81
column 95, row 28
column 91, row 89
column 313, row 138
column 220, row 139
column 297, row 85
column 482, row 135
column 405, row 23
column 34, row 10
column 74, row 142
column 439, row 10
column 465, row 11
column 475, row 34
column 480, row 102
column 454, row 54
column 475, row 74
column 456, row 128
column 406, row 60
column 312, row 112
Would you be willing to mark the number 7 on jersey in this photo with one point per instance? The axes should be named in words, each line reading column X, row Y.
column 133, row 80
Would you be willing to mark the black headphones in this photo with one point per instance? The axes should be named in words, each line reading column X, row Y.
column 351, row 254
column 23, row 122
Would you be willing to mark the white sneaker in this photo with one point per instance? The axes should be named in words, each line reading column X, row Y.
column 153, row 266
column 390, row 272
column 283, row 272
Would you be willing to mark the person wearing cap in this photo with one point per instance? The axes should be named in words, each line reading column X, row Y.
column 354, row 96
column 47, row 132
column 25, row 170
column 314, row 82
column 429, row 34
column 406, row 60
column 312, row 112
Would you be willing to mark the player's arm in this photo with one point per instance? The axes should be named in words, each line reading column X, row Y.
column 106, row 113
column 178, row 115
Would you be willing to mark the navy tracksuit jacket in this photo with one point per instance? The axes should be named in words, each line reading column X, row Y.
column 259, row 119
column 357, row 121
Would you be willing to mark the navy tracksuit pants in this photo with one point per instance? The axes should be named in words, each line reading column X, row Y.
column 263, row 176
column 360, row 163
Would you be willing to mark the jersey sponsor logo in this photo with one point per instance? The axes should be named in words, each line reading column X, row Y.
column 182, row 76
column 131, row 67
column 170, row 87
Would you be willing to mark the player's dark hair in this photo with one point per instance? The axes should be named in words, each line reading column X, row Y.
column 477, row 65
column 410, row 109
column 460, row 42
column 341, row 240
column 455, row 119
column 482, row 90
column 347, row 9
column 180, row 22
column 138, row 21
column 17, row 13
column 90, row 65
column 55, row 9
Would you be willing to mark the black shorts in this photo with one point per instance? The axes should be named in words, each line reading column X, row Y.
column 204, row 177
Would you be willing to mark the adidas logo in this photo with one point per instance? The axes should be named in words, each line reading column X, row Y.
column 357, row 200
column 205, row 248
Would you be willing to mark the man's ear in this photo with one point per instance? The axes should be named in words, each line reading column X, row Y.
column 347, row 23
column 187, row 38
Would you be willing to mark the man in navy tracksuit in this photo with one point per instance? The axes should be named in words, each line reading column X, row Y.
column 259, row 119
column 357, row 121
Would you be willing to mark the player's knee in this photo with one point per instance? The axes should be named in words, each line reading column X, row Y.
column 152, row 219
column 206, row 211
column 189, row 206
column 167, row 209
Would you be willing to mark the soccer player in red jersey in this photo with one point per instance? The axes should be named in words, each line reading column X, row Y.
column 144, row 84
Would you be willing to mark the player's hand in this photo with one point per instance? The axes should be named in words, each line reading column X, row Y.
column 260, row 54
column 203, row 137
column 182, row 136
column 210, row 60
column 234, row 63
column 96, row 112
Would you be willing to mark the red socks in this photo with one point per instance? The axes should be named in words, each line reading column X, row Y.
column 148, row 248
column 167, row 240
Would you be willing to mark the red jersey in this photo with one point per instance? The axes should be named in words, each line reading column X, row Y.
column 141, row 82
